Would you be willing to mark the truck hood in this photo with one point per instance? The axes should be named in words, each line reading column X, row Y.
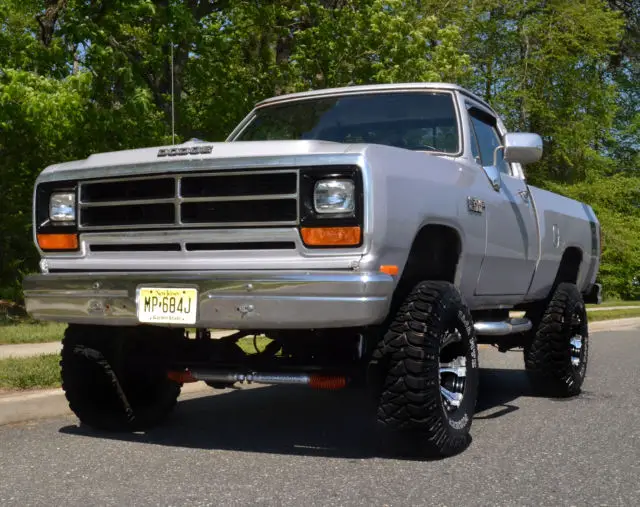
column 223, row 155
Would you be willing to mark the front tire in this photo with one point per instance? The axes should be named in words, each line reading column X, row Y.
column 428, row 360
column 108, row 384
column 556, row 358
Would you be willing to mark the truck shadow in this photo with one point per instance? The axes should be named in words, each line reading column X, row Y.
column 499, row 390
column 296, row 421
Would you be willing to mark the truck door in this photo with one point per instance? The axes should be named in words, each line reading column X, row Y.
column 512, row 232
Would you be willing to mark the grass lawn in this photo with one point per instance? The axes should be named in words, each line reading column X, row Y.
column 615, row 303
column 40, row 332
column 30, row 372
column 613, row 314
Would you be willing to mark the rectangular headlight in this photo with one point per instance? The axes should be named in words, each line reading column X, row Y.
column 334, row 196
column 62, row 207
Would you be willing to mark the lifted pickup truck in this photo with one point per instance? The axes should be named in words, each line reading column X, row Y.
column 372, row 233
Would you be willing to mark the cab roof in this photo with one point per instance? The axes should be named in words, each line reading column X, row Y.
column 375, row 88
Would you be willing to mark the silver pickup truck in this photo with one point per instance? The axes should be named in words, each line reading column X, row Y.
column 370, row 235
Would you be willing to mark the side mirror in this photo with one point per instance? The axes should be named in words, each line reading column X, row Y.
column 522, row 148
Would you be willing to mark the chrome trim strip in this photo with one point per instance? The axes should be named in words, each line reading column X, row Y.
column 166, row 200
column 185, row 225
column 177, row 208
column 263, row 197
column 45, row 293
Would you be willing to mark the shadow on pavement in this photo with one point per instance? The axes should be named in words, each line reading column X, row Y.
column 295, row 420
column 282, row 419
column 499, row 388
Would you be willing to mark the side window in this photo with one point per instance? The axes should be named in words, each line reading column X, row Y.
column 488, row 141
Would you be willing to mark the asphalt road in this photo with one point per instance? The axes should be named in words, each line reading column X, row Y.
column 289, row 446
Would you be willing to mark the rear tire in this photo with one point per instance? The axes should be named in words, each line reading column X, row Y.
column 106, row 382
column 423, row 409
column 556, row 358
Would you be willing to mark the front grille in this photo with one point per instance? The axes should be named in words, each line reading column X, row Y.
column 222, row 199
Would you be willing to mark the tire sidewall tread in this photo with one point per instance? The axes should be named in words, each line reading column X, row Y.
column 411, row 410
column 92, row 397
column 547, row 357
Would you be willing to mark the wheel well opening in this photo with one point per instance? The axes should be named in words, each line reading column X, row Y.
column 434, row 255
column 569, row 266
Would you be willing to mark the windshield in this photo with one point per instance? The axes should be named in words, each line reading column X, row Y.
column 415, row 121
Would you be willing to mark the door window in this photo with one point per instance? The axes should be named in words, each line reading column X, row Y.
column 488, row 140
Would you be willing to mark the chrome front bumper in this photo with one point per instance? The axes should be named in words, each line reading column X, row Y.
column 226, row 300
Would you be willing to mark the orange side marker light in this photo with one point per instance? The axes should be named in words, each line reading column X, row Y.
column 389, row 269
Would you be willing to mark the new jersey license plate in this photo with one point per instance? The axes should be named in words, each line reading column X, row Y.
column 158, row 305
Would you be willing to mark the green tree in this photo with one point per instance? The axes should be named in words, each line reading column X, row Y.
column 544, row 65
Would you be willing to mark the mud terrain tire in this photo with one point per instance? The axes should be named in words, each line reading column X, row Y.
column 107, row 386
column 555, row 365
column 413, row 416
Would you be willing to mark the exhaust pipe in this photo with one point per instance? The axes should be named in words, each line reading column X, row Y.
column 231, row 377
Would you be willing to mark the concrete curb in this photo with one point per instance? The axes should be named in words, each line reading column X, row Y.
column 25, row 406
column 615, row 325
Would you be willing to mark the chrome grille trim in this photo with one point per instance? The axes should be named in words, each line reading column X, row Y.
column 178, row 200
column 126, row 203
column 266, row 197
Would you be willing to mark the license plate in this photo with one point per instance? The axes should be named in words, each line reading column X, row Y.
column 157, row 305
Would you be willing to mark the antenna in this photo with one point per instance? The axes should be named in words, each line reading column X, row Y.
column 173, row 111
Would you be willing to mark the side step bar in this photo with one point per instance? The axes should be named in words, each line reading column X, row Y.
column 503, row 327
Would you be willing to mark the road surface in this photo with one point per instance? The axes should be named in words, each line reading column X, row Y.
column 289, row 446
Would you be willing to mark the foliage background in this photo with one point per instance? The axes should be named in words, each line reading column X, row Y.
column 82, row 76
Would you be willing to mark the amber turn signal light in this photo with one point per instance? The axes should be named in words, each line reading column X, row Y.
column 330, row 236
column 389, row 269
column 58, row 241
